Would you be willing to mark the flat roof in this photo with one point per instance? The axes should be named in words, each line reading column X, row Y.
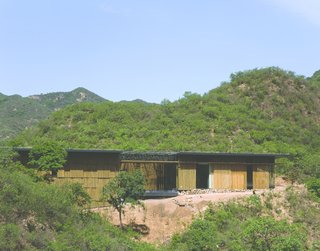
column 25, row 149
column 156, row 156
column 225, row 154
column 93, row 151
column 164, row 154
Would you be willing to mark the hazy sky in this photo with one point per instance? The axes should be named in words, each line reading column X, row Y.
column 151, row 49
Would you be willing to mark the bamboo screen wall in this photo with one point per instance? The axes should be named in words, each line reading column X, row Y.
column 228, row 171
column 91, row 170
column 159, row 176
column 187, row 176
column 229, row 176
column 261, row 177
column 234, row 176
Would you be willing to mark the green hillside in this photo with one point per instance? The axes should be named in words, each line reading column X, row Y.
column 261, row 110
column 18, row 113
column 35, row 215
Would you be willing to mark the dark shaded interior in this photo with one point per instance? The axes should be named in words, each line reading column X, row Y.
column 249, row 177
column 202, row 176
column 170, row 173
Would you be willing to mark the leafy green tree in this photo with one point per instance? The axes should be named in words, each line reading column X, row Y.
column 265, row 233
column 126, row 187
column 47, row 155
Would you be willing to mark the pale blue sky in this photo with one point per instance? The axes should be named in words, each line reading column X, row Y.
column 150, row 49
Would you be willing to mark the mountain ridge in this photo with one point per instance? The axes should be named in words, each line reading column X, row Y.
column 18, row 113
column 266, row 110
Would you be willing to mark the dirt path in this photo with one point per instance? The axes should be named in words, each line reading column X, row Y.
column 165, row 217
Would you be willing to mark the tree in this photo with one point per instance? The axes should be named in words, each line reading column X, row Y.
column 48, row 156
column 126, row 187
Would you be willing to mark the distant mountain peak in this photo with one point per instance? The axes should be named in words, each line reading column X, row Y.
column 30, row 110
column 81, row 89
column 62, row 99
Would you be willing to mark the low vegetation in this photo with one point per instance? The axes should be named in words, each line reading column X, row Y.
column 37, row 216
column 251, row 225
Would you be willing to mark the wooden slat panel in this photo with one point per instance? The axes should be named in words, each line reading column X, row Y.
column 150, row 172
column 261, row 177
column 187, row 176
column 239, row 177
column 153, row 172
column 75, row 173
column 102, row 182
column 60, row 173
column 90, row 173
column 79, row 180
column 90, row 182
column 103, row 173
column 66, row 174
column 94, row 193
column 60, row 181
column 222, row 176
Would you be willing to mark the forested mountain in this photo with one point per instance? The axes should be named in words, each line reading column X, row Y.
column 261, row 110
column 18, row 113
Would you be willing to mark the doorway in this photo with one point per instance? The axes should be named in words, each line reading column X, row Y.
column 249, row 177
column 170, row 176
column 202, row 176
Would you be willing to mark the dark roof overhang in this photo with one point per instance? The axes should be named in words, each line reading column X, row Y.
column 155, row 155
column 225, row 154
column 27, row 149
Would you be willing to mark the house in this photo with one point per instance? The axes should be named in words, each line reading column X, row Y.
column 167, row 170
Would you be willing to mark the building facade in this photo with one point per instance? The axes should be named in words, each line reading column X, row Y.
column 167, row 170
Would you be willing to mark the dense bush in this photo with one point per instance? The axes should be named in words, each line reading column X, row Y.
column 265, row 233
column 313, row 186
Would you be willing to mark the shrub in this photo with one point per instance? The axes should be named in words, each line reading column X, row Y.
column 201, row 235
column 313, row 186
column 265, row 233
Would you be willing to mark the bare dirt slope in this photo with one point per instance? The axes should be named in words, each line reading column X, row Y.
column 162, row 218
